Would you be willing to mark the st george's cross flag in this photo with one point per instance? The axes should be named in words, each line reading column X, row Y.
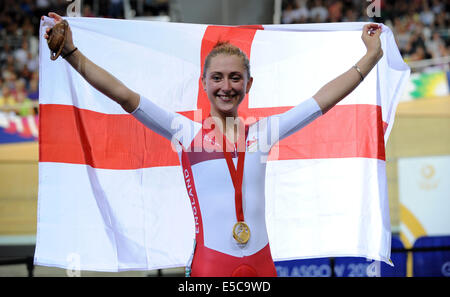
column 111, row 192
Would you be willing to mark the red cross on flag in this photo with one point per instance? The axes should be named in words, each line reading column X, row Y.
column 112, row 192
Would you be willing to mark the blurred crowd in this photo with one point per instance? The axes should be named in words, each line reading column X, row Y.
column 421, row 28
column 18, row 55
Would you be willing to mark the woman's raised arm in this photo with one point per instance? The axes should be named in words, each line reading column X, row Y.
column 99, row 78
column 336, row 90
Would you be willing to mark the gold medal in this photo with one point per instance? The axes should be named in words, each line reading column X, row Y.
column 241, row 232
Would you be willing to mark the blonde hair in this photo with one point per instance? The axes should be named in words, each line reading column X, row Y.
column 226, row 48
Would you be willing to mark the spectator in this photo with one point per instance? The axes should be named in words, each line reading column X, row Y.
column 441, row 21
column 21, row 55
column 416, row 40
column 4, row 54
column 116, row 8
column 24, row 106
column 302, row 12
column 10, row 77
column 435, row 46
column 32, row 63
column 318, row 13
column 419, row 54
column 335, row 11
column 6, row 99
column 19, row 89
column 28, row 33
column 401, row 33
column 290, row 13
column 33, row 91
column 426, row 15
column 349, row 16
column 87, row 11
column 25, row 74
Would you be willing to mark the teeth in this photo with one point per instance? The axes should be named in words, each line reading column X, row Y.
column 225, row 97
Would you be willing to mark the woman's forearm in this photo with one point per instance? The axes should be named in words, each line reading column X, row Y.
column 103, row 81
column 337, row 89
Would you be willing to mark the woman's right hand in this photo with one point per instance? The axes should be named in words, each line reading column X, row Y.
column 68, row 44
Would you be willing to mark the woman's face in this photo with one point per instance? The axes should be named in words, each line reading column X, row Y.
column 226, row 84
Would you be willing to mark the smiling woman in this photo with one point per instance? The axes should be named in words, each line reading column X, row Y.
column 226, row 186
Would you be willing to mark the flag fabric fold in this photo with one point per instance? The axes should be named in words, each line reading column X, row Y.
column 111, row 192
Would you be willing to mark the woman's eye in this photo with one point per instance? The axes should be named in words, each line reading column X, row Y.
column 216, row 78
column 235, row 78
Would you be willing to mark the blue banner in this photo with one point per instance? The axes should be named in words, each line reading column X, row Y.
column 432, row 262
column 345, row 266
column 15, row 128
column 398, row 258
column 304, row 268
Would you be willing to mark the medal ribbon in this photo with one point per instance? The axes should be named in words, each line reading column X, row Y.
column 237, row 176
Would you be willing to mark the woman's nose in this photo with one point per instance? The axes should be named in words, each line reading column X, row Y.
column 226, row 86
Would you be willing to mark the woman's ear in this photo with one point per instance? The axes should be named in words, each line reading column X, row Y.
column 249, row 84
column 203, row 83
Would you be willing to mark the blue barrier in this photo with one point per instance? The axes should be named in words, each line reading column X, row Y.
column 344, row 266
column 398, row 258
column 353, row 267
column 429, row 260
column 360, row 267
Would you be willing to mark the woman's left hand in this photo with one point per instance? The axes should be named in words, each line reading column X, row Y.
column 371, row 38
